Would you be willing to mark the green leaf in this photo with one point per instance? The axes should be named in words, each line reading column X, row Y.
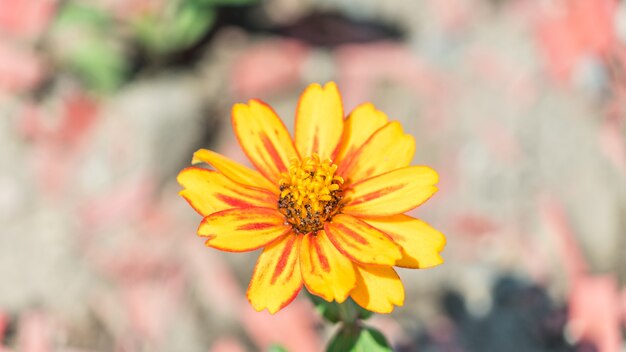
column 277, row 348
column 176, row 30
column 354, row 338
column 75, row 14
column 99, row 65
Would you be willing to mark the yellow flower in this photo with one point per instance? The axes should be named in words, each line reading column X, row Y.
column 326, row 207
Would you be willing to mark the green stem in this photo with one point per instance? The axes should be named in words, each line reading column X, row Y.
column 348, row 313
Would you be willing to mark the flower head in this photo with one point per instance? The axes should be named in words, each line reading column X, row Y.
column 326, row 207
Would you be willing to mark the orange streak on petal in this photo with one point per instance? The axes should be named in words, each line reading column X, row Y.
column 421, row 244
column 263, row 138
column 321, row 256
column 376, row 194
column 378, row 288
column 325, row 270
column 284, row 257
column 319, row 120
column 233, row 170
column 277, row 279
column 360, row 125
column 361, row 242
column 209, row 191
column 394, row 192
column 241, row 230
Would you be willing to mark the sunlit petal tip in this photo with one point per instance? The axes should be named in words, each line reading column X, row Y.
column 319, row 120
column 233, row 170
column 208, row 191
column 378, row 288
column 421, row 243
column 263, row 138
column 389, row 148
column 277, row 279
column 359, row 126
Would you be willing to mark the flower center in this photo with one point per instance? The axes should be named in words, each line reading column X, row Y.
column 310, row 193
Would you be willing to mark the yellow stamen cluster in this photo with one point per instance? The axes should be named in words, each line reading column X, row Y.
column 310, row 193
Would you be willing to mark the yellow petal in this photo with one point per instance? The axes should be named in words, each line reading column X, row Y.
column 276, row 280
column 233, row 170
column 264, row 138
column 243, row 229
column 388, row 149
column 361, row 242
column 391, row 193
column 326, row 272
column 378, row 288
column 421, row 244
column 209, row 191
column 319, row 120
column 360, row 125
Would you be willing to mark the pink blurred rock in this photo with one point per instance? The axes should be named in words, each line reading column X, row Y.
column 594, row 313
column 56, row 149
column 555, row 220
column 593, row 300
column 217, row 285
column 612, row 143
column 361, row 66
column 453, row 15
column 4, row 322
column 150, row 305
column 293, row 327
column 568, row 31
column 623, row 297
column 227, row 344
column 35, row 333
column 474, row 225
column 267, row 67
column 25, row 18
column 20, row 68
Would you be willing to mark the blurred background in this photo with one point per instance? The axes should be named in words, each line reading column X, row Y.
column 519, row 104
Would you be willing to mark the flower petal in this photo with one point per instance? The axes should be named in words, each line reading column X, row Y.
column 326, row 272
column 361, row 242
column 276, row 280
column 378, row 288
column 388, row 149
column 319, row 120
column 264, row 138
column 239, row 230
column 421, row 244
column 360, row 125
column 209, row 191
column 391, row 193
column 233, row 170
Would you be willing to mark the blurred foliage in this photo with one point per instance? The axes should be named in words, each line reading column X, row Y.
column 277, row 348
column 178, row 27
column 100, row 48
column 356, row 338
column 88, row 46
